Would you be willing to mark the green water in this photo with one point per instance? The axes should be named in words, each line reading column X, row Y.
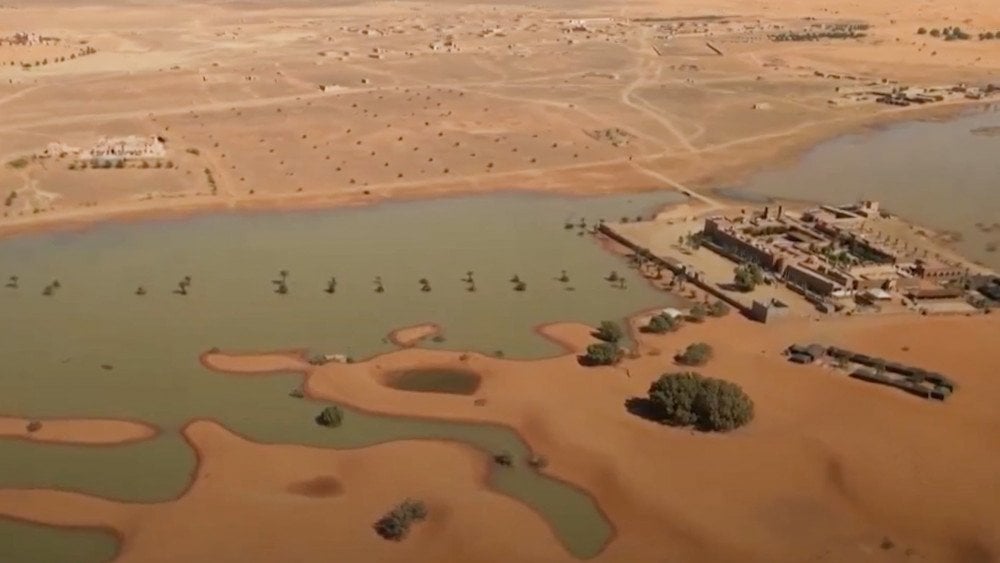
column 41, row 544
column 52, row 348
column 434, row 380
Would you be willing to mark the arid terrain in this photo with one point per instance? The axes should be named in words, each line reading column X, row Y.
column 308, row 104
column 304, row 105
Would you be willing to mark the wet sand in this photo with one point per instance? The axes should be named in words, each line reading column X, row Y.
column 410, row 336
column 830, row 469
column 78, row 431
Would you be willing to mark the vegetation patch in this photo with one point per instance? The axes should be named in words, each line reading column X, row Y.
column 689, row 399
column 396, row 524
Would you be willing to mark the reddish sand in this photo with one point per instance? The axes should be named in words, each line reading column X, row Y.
column 410, row 336
column 78, row 431
column 252, row 502
column 829, row 468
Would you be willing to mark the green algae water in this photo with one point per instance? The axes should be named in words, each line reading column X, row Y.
column 94, row 348
column 435, row 380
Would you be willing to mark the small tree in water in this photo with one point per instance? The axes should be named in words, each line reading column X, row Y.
column 331, row 417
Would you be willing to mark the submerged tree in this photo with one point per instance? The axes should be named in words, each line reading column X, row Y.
column 425, row 285
column 331, row 285
column 396, row 524
column 331, row 417
column 13, row 281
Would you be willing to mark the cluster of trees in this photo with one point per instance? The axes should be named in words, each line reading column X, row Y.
column 748, row 276
column 608, row 351
column 709, row 404
column 663, row 323
column 396, row 524
column 954, row 34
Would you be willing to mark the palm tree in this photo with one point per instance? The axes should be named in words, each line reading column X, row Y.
column 468, row 276
column 520, row 286
column 613, row 276
column 379, row 288
column 564, row 277
column 283, row 274
column 515, row 279
column 48, row 290
column 12, row 282
column 282, row 288
column 56, row 284
column 331, row 286
column 425, row 285
column 471, row 288
column 140, row 290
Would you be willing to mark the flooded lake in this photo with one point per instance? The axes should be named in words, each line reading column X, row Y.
column 96, row 348
column 941, row 174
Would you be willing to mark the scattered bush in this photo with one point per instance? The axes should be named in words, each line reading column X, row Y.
column 602, row 354
column 396, row 524
column 935, row 32
column 34, row 426
column 331, row 417
column 538, row 462
column 696, row 354
column 718, row 309
column 662, row 323
column 747, row 277
column 709, row 404
column 698, row 313
column 609, row 331
column 922, row 31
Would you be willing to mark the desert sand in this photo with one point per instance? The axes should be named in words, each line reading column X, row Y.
column 831, row 468
column 410, row 336
column 77, row 431
column 301, row 104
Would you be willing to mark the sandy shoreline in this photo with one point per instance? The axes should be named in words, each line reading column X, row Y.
column 83, row 431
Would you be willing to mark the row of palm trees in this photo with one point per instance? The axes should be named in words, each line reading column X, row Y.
column 281, row 283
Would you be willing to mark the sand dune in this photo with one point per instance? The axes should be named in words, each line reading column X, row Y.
column 77, row 431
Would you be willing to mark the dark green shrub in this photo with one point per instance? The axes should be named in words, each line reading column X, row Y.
column 662, row 323
column 696, row 354
column 718, row 309
column 602, row 354
column 331, row 417
column 609, row 331
column 688, row 399
column 396, row 524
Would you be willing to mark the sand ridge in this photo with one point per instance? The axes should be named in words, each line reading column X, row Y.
column 85, row 431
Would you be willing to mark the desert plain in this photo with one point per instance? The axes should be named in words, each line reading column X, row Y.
column 307, row 105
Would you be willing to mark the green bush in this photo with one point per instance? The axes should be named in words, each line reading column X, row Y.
column 609, row 331
column 331, row 417
column 696, row 354
column 718, row 309
column 698, row 313
column 747, row 277
column 18, row 163
column 709, row 404
column 602, row 354
column 396, row 524
column 663, row 323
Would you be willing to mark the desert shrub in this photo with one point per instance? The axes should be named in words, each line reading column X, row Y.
column 696, row 354
column 331, row 417
column 935, row 32
column 396, row 524
column 698, row 313
column 34, row 426
column 718, row 309
column 602, row 354
column 922, row 31
column 662, row 323
column 609, row 331
column 747, row 277
column 538, row 462
column 688, row 399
